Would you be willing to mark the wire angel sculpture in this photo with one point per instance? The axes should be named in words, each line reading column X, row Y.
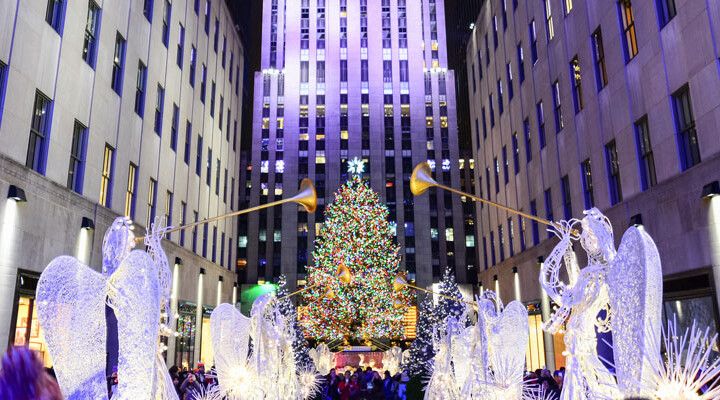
column 392, row 360
column 271, row 361
column 489, row 357
column 71, row 301
column 624, row 285
column 323, row 358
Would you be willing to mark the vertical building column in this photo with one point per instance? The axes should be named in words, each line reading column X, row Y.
column 198, row 316
column 173, row 313
column 548, row 337
column 713, row 202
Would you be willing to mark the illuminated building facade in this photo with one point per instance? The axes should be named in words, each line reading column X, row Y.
column 110, row 109
column 612, row 104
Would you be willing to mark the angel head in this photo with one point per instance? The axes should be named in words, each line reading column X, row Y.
column 119, row 240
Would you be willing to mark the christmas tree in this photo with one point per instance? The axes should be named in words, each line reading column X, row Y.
column 448, row 307
column 421, row 350
column 355, row 234
column 288, row 310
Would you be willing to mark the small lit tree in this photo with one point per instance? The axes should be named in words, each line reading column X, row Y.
column 446, row 307
column 300, row 345
column 421, row 350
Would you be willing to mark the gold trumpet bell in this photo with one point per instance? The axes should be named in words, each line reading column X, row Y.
column 421, row 179
column 398, row 304
column 306, row 196
column 399, row 282
column 343, row 274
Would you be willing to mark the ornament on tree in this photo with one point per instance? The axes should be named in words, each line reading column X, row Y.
column 357, row 235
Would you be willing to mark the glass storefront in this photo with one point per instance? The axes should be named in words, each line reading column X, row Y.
column 25, row 329
column 690, row 297
column 535, row 354
column 206, row 349
column 185, row 341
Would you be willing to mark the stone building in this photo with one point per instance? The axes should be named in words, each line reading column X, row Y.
column 609, row 104
column 118, row 108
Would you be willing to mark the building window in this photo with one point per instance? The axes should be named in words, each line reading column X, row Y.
column 508, row 69
column 39, row 133
column 106, row 178
column 203, row 83
column 516, row 153
column 183, row 221
column 168, row 208
column 566, row 198
column 55, row 14
column 601, row 78
column 647, row 162
column 685, row 125
column 152, row 196
column 473, row 76
column 528, row 142
column 535, row 227
column 174, row 128
column 194, row 232
column 521, row 224
column 576, row 82
column 541, row 124
column 208, row 168
column 207, row 17
column 549, row 21
column 193, row 63
column 214, row 243
column 628, row 21
column 188, row 139
column 205, row 240
column 3, row 83
column 140, row 89
column 196, row 6
column 497, row 175
column 148, row 9
column 484, row 122
column 505, row 165
column 130, row 193
column 521, row 63
column 549, row 209
column 224, row 54
column 533, row 43
column 118, row 64
column 613, row 168
column 587, row 182
column 500, row 97
column 492, row 248
column 559, row 124
column 76, row 170
column 501, row 243
column 92, row 25
column 180, row 46
column 492, row 111
column 160, row 101
column 666, row 11
column 217, row 178
column 198, row 156
column 217, row 35
column 166, row 23
column 212, row 99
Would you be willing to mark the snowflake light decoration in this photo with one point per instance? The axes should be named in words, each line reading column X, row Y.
column 356, row 166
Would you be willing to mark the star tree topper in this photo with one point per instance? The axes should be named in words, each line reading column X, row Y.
column 356, row 166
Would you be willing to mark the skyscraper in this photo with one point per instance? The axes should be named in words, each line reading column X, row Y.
column 344, row 80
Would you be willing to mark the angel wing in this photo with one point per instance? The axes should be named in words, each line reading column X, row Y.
column 230, row 336
column 135, row 293
column 635, row 282
column 71, row 311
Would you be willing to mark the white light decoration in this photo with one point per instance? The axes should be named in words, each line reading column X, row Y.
column 323, row 358
column 392, row 359
column 626, row 285
column 356, row 166
column 71, row 300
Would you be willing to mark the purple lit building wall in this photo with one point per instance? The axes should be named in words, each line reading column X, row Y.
column 353, row 79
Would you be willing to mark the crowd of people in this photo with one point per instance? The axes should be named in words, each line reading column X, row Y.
column 551, row 383
column 363, row 385
column 189, row 384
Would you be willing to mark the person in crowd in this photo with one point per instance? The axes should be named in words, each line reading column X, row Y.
column 22, row 377
column 332, row 381
column 113, row 381
column 190, row 388
column 403, row 380
column 375, row 387
column 348, row 388
column 389, row 386
column 559, row 377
